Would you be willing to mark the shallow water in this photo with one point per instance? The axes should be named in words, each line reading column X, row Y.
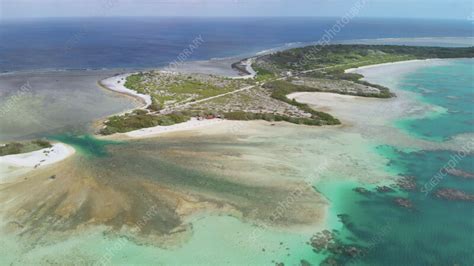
column 450, row 87
column 253, row 174
column 435, row 231
column 238, row 176
column 39, row 104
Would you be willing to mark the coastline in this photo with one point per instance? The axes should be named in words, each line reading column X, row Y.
column 345, row 107
column 192, row 124
column 404, row 63
column 249, row 72
column 117, row 84
column 357, row 110
column 361, row 116
column 374, row 117
column 12, row 165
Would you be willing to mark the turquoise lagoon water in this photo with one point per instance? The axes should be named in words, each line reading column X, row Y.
column 435, row 231
column 450, row 87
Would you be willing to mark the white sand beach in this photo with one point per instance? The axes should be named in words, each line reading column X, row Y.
column 116, row 83
column 358, row 114
column 398, row 68
column 248, row 67
column 13, row 165
column 363, row 111
column 373, row 117
column 56, row 153
column 192, row 124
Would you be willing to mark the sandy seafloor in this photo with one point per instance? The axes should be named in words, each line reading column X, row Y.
column 274, row 158
column 38, row 103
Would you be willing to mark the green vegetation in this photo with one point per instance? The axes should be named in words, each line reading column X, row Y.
column 313, row 68
column 140, row 119
column 280, row 89
column 24, row 147
column 246, row 116
column 342, row 57
column 43, row 144
column 384, row 92
column 133, row 82
column 331, row 61
column 169, row 89
column 262, row 73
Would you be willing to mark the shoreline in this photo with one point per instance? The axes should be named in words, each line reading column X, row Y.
column 374, row 117
column 47, row 156
column 332, row 98
column 379, row 115
column 12, row 165
column 117, row 84
column 405, row 62
column 248, row 71
column 352, row 109
column 192, row 124
column 356, row 69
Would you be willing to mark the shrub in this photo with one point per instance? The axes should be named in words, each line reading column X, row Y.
column 11, row 148
column 42, row 143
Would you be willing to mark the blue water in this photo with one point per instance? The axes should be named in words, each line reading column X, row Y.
column 151, row 42
column 451, row 87
column 435, row 231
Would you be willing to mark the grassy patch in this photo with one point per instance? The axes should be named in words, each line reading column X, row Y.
column 332, row 60
column 24, row 147
column 134, row 82
column 280, row 89
column 168, row 89
column 348, row 56
column 351, row 77
column 262, row 73
column 139, row 120
column 246, row 116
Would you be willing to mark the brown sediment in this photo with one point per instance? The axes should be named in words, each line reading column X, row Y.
column 460, row 173
column 453, row 194
column 403, row 202
column 384, row 189
column 362, row 191
column 146, row 190
column 407, row 183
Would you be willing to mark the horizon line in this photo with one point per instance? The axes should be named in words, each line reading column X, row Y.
column 228, row 17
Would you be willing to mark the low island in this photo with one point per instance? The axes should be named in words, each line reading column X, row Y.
column 177, row 97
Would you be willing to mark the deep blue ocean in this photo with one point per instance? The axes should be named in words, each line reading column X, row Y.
column 85, row 43
column 433, row 232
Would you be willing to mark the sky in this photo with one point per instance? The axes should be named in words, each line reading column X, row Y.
column 446, row 9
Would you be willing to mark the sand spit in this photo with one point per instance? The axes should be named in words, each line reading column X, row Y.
column 12, row 165
column 248, row 68
column 405, row 66
column 138, row 178
column 247, row 170
column 192, row 124
column 373, row 118
column 116, row 83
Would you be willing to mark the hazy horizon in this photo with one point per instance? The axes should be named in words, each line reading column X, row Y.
column 17, row 9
